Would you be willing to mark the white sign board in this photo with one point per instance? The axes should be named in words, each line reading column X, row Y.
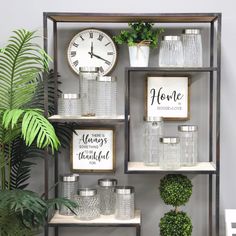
column 167, row 97
column 93, row 150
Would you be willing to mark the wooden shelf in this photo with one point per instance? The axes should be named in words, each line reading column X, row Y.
column 87, row 120
column 171, row 69
column 132, row 17
column 200, row 168
column 103, row 220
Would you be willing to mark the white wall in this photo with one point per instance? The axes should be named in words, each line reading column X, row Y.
column 28, row 14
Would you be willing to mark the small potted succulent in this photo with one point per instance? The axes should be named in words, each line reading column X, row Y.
column 175, row 190
column 140, row 38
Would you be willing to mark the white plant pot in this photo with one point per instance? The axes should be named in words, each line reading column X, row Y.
column 139, row 55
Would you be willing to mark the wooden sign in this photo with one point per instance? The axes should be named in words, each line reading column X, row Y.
column 168, row 97
column 93, row 150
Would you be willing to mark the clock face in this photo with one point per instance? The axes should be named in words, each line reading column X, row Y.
column 92, row 48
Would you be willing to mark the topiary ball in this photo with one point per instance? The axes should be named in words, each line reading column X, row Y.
column 175, row 190
column 175, row 224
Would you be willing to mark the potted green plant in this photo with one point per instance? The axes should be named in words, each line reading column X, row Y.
column 140, row 38
column 22, row 127
column 175, row 190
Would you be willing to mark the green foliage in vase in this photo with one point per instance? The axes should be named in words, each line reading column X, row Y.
column 175, row 224
column 139, row 33
column 175, row 190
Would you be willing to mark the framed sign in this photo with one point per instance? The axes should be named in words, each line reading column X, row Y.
column 93, row 150
column 168, row 97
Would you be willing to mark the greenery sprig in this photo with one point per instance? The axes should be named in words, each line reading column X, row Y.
column 139, row 33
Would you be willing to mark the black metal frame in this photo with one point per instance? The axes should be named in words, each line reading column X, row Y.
column 214, row 19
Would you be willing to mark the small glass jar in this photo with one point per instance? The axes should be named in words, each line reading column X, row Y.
column 88, row 91
column 88, row 204
column 192, row 47
column 69, row 104
column 68, row 187
column 171, row 52
column 188, row 144
column 153, row 132
column 170, row 158
column 107, row 195
column 124, row 202
column 106, row 96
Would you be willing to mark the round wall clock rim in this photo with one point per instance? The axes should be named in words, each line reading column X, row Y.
column 103, row 31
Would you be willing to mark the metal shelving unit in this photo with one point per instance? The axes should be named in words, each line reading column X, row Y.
column 210, row 168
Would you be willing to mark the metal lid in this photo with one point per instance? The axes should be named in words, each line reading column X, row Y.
column 188, row 128
column 106, row 78
column 87, row 192
column 69, row 95
column 89, row 69
column 69, row 178
column 107, row 182
column 191, row 31
column 124, row 189
column 154, row 118
column 169, row 140
column 171, row 37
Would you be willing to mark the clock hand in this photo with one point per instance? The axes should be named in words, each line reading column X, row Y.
column 99, row 57
column 91, row 50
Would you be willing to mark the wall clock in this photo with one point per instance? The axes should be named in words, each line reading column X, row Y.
column 92, row 47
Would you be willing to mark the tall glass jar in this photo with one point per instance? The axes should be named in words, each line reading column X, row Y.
column 170, row 159
column 192, row 47
column 88, row 77
column 171, row 52
column 106, row 96
column 107, row 195
column 125, row 206
column 153, row 132
column 88, row 204
column 188, row 144
column 69, row 104
column 68, row 187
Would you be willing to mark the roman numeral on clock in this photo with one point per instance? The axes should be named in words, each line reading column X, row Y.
column 76, row 63
column 73, row 53
column 107, row 44
column 91, row 35
column 75, row 44
column 81, row 37
column 110, row 53
column 100, row 37
column 108, row 63
column 101, row 69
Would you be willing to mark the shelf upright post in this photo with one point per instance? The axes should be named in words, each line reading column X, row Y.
column 218, row 90
column 45, row 46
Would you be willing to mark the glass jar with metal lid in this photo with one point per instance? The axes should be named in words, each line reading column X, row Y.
column 152, row 134
column 188, row 144
column 88, row 204
column 69, row 184
column 171, row 52
column 171, row 153
column 192, row 47
column 106, row 96
column 125, row 205
column 69, row 104
column 106, row 192
column 87, row 78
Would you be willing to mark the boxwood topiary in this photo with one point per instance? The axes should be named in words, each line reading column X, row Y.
column 175, row 224
column 175, row 190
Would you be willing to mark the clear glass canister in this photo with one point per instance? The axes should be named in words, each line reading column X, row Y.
column 171, row 52
column 107, row 195
column 68, row 187
column 69, row 104
column 88, row 204
column 152, row 134
column 88, row 92
column 188, row 144
column 124, row 202
column 170, row 158
column 106, row 96
column 192, row 47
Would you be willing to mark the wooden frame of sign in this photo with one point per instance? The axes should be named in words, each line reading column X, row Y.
column 93, row 150
column 168, row 97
